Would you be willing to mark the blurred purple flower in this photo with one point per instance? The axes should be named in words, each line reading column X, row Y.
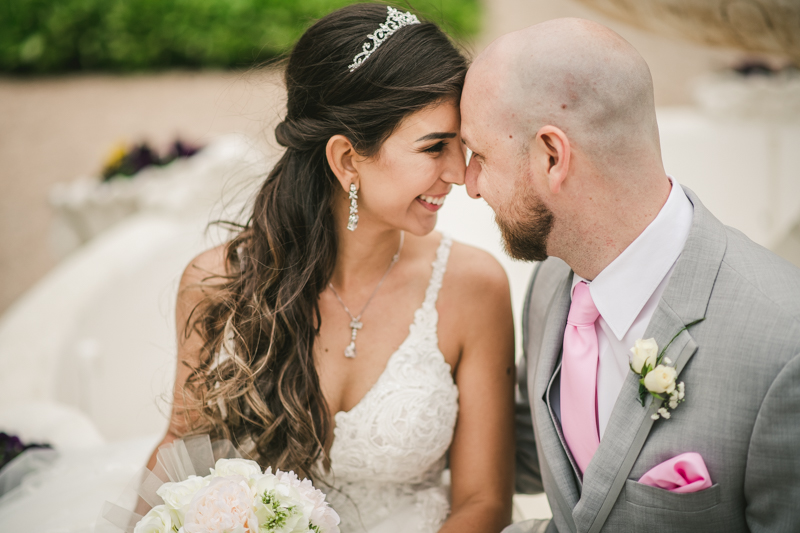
column 182, row 149
column 128, row 161
column 11, row 446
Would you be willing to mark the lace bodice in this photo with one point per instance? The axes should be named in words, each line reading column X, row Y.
column 388, row 453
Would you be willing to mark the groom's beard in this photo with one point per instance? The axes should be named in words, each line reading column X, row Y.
column 525, row 234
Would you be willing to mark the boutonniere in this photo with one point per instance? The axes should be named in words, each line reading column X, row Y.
column 657, row 375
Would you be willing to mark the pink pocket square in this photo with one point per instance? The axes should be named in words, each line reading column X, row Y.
column 684, row 473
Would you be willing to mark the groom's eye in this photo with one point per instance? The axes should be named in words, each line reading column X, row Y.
column 436, row 148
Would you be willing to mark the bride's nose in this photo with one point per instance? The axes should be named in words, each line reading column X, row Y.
column 455, row 167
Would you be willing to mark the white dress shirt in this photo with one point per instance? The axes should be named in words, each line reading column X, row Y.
column 627, row 292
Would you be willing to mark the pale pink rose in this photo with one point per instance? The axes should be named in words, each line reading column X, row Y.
column 225, row 505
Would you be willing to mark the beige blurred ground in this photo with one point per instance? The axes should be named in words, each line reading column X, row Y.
column 56, row 129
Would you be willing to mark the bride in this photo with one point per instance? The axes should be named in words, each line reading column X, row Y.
column 338, row 335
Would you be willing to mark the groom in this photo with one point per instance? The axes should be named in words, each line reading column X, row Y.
column 561, row 121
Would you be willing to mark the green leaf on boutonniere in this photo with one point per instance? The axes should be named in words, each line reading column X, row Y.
column 642, row 392
column 664, row 351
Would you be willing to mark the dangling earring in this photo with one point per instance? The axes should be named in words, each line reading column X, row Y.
column 352, row 222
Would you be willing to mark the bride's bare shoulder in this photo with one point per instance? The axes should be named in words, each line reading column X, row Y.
column 476, row 296
column 199, row 284
column 203, row 274
column 476, row 272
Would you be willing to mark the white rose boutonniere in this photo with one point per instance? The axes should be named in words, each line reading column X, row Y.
column 657, row 375
column 645, row 352
column 661, row 379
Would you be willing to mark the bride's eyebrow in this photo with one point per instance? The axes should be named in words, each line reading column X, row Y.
column 436, row 135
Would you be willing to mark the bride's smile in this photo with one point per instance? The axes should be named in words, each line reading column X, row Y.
column 431, row 203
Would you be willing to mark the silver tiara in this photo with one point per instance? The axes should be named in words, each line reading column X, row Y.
column 394, row 21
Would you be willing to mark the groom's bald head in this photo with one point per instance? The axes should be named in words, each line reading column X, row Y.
column 561, row 119
column 574, row 74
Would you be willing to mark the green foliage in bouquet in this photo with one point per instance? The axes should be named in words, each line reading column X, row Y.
column 41, row 36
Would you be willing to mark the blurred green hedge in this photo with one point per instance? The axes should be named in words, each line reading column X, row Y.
column 40, row 36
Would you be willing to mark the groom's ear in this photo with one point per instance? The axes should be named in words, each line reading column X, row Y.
column 341, row 158
column 554, row 155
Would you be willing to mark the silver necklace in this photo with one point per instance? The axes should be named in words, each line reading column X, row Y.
column 355, row 321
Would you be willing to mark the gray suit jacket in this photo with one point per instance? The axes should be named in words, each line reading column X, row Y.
column 741, row 366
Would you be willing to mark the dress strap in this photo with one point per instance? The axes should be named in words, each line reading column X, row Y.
column 439, row 267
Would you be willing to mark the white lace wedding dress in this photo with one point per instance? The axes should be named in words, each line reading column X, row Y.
column 388, row 455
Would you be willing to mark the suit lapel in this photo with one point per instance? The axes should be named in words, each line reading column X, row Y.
column 628, row 427
column 551, row 449
column 684, row 301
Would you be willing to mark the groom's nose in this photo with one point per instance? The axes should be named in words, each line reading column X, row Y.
column 471, row 178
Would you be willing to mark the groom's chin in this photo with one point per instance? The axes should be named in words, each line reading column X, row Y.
column 520, row 252
column 525, row 243
column 523, row 246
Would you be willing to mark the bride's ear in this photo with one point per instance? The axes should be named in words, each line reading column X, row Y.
column 341, row 158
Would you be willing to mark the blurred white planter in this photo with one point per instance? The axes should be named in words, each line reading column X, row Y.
column 97, row 333
column 740, row 152
column 86, row 207
column 772, row 98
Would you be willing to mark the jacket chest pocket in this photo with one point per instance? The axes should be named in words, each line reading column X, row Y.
column 654, row 498
column 669, row 511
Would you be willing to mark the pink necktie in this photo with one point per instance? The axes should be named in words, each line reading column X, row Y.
column 579, row 378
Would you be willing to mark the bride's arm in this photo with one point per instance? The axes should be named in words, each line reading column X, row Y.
column 482, row 453
column 190, row 293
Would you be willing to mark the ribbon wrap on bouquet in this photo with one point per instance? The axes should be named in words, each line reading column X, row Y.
column 200, row 487
column 176, row 461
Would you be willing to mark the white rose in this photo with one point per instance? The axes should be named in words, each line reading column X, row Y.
column 285, row 500
column 262, row 483
column 177, row 496
column 157, row 520
column 645, row 351
column 660, row 379
column 236, row 467
column 315, row 508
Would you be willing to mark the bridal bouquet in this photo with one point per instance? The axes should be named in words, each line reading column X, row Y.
column 238, row 498
column 235, row 497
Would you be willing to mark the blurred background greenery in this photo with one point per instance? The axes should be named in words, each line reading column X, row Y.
column 50, row 36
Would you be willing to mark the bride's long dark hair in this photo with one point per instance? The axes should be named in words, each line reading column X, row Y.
column 267, row 397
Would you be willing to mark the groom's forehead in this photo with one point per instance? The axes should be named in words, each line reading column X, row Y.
column 481, row 123
column 484, row 101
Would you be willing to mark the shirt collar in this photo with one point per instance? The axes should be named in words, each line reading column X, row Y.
column 623, row 288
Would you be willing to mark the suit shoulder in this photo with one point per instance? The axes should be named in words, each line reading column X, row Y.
column 552, row 267
column 774, row 279
column 546, row 276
